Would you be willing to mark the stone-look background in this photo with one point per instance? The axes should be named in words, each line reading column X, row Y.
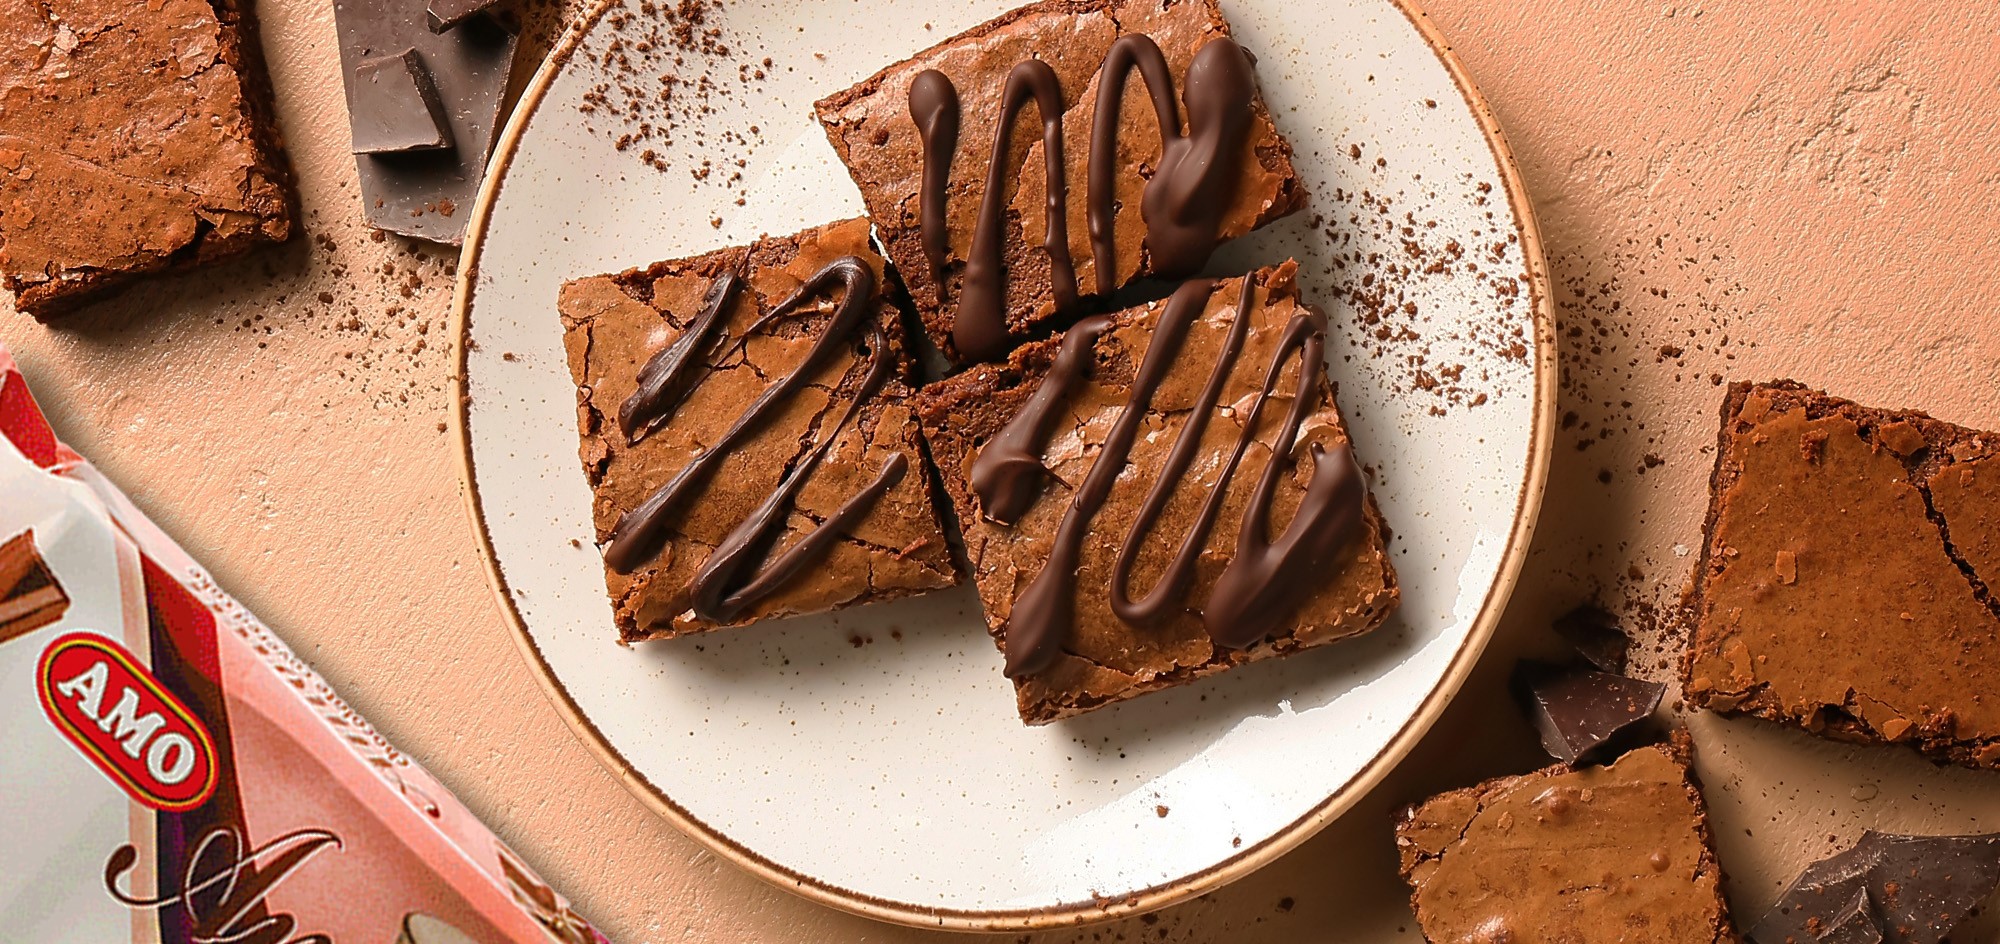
column 1729, row 190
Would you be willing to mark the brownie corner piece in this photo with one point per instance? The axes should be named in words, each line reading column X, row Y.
column 1563, row 854
column 962, row 207
column 116, row 167
column 748, row 436
column 1019, row 446
column 1845, row 580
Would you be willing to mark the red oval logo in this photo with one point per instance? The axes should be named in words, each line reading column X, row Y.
column 133, row 729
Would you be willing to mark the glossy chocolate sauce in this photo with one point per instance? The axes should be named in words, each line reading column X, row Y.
column 1183, row 203
column 1262, row 586
column 979, row 330
column 740, row 571
column 934, row 108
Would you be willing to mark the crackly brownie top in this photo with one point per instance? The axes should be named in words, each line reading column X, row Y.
column 1604, row 853
column 707, row 387
column 1215, row 559
column 1846, row 581
column 961, row 208
column 127, row 137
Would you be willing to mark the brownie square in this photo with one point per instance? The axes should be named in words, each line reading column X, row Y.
column 1846, row 575
column 755, row 397
column 134, row 137
column 1018, row 445
column 1228, row 135
column 1620, row 852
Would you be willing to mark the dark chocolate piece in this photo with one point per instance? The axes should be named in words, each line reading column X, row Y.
column 30, row 597
column 427, row 194
column 1912, row 890
column 1577, row 711
column 1854, row 923
column 445, row 14
column 396, row 107
column 1596, row 636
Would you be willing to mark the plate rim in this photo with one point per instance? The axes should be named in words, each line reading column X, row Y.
column 1528, row 503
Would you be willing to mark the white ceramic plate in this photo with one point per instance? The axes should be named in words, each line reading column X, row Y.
column 891, row 777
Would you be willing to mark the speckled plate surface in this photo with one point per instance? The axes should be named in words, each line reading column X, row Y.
column 872, row 759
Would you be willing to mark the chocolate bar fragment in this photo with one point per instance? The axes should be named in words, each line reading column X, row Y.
column 1615, row 853
column 135, row 138
column 396, row 107
column 445, row 14
column 423, row 193
column 1846, row 578
column 1577, row 711
column 1596, row 636
column 1893, row 889
column 30, row 597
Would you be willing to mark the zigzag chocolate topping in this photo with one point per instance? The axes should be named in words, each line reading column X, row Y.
column 741, row 569
column 1263, row 584
column 1183, row 203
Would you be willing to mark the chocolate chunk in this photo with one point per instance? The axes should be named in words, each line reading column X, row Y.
column 30, row 597
column 396, row 107
column 445, row 14
column 418, row 193
column 1893, row 889
column 1577, row 710
column 1596, row 636
column 1854, row 923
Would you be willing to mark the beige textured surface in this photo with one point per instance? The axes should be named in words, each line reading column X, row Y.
column 1766, row 191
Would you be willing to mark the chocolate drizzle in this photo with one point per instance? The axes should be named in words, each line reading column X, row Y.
column 934, row 108
column 1166, row 597
column 1265, row 582
column 1185, row 199
column 739, row 571
column 979, row 330
column 1183, row 203
column 1008, row 474
column 669, row 376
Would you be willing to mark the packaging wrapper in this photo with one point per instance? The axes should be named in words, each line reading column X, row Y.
column 170, row 772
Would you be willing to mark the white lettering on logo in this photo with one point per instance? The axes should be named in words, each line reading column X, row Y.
column 127, row 726
column 87, row 688
column 170, row 771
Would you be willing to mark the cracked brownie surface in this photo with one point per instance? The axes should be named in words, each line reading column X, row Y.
column 1105, row 659
column 614, row 325
column 134, row 138
column 1845, row 582
column 1616, row 853
column 872, row 127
